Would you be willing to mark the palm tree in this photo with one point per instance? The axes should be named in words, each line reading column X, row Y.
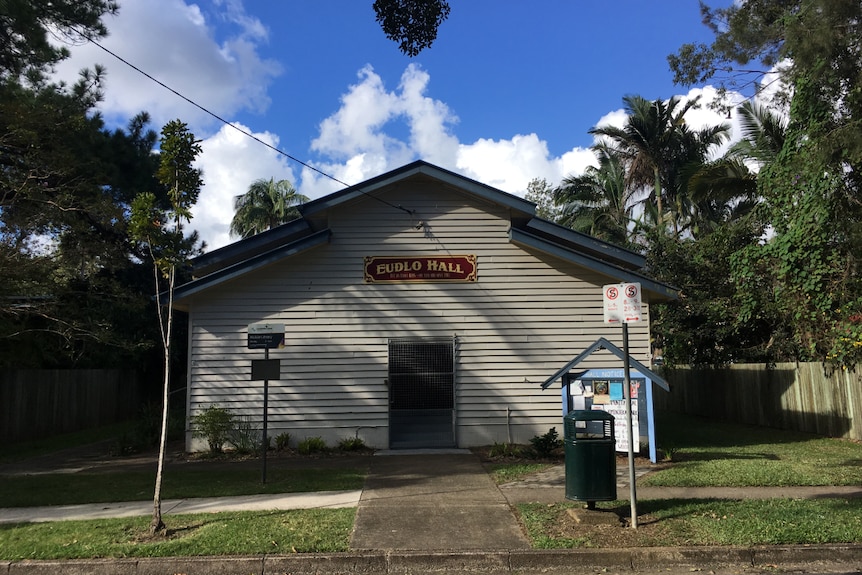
column 265, row 205
column 726, row 189
column 597, row 202
column 763, row 134
column 656, row 144
column 720, row 192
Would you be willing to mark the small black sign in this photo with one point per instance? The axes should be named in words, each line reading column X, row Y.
column 262, row 369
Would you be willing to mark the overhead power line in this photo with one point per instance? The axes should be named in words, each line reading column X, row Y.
column 241, row 131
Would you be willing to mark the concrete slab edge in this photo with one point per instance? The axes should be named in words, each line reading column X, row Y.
column 516, row 562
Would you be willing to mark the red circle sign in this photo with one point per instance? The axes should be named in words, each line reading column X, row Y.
column 612, row 293
column 631, row 291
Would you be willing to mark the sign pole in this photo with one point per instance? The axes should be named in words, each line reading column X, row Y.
column 622, row 304
column 627, row 390
column 265, row 336
column 263, row 439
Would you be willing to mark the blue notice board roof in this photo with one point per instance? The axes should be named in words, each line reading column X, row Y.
column 600, row 344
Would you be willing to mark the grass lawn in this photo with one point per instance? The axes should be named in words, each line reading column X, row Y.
column 713, row 453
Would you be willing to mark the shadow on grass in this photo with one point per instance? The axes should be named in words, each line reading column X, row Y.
column 680, row 457
column 691, row 431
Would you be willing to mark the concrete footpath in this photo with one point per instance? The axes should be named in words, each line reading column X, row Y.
column 435, row 512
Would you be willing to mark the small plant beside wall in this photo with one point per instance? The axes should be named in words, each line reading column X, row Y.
column 505, row 451
column 244, row 436
column 311, row 445
column 215, row 424
column 545, row 445
column 351, row 444
column 282, row 441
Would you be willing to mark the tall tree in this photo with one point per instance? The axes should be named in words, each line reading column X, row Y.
column 808, row 270
column 265, row 205
column 702, row 326
column 71, row 294
column 599, row 202
column 159, row 228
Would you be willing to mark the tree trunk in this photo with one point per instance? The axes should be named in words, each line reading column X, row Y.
column 658, row 202
column 156, row 524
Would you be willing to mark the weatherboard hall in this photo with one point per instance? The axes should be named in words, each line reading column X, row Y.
column 420, row 309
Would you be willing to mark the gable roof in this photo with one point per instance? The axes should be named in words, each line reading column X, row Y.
column 604, row 344
column 528, row 230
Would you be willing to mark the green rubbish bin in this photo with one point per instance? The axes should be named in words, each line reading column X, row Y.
column 591, row 464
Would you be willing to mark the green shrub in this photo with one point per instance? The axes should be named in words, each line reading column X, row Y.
column 214, row 424
column 244, row 436
column 351, row 444
column 282, row 441
column 311, row 445
column 545, row 445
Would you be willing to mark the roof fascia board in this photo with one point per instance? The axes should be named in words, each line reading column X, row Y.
column 250, row 246
column 588, row 242
column 196, row 286
column 487, row 193
column 521, row 237
column 600, row 344
column 478, row 189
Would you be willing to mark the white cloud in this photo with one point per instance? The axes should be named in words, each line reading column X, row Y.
column 429, row 119
column 231, row 161
column 356, row 137
column 173, row 42
column 616, row 119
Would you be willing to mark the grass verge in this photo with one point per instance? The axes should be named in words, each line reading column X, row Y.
column 76, row 488
column 235, row 533
column 675, row 522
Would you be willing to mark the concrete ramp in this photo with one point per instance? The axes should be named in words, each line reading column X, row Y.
column 433, row 501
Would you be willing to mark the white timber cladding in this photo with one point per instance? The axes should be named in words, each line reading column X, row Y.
column 527, row 315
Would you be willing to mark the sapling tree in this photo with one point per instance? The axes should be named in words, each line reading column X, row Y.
column 158, row 227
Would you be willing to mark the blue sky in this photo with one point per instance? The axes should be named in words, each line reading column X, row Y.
column 506, row 94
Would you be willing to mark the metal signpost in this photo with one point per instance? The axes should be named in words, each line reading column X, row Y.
column 622, row 304
column 265, row 336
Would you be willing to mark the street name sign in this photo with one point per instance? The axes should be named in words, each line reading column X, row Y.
column 265, row 335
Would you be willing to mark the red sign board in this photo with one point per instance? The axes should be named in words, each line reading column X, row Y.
column 380, row 269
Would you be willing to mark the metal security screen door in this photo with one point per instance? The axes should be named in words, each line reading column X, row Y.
column 421, row 393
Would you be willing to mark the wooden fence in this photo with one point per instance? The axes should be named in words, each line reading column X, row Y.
column 42, row 402
column 806, row 397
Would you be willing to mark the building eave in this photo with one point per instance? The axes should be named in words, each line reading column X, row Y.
column 261, row 260
column 587, row 243
column 656, row 291
column 250, row 247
